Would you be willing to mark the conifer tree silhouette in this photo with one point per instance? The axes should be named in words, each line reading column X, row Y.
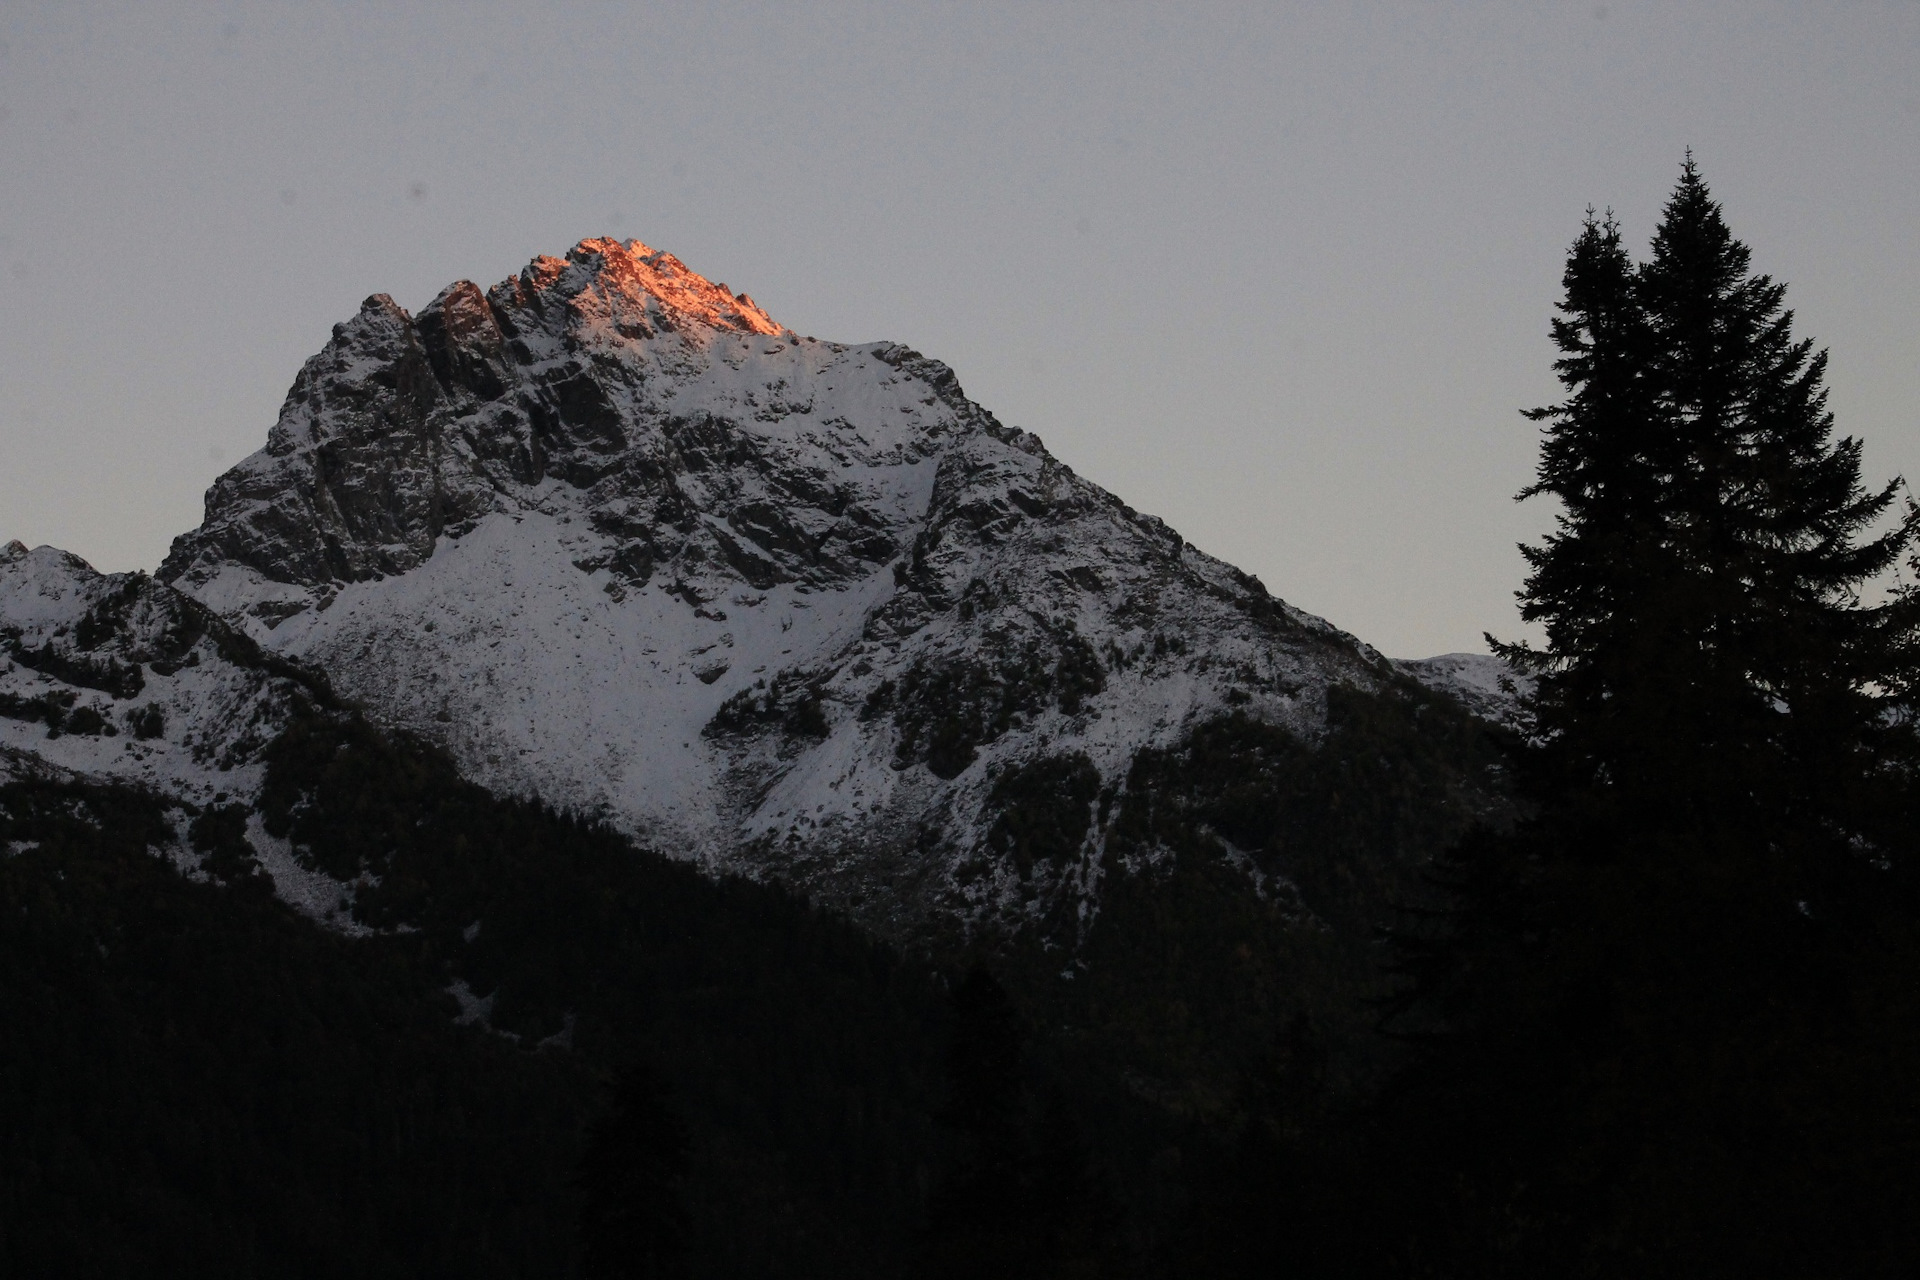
column 1668, row 1014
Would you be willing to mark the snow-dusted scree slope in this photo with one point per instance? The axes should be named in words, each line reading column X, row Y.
column 615, row 537
column 119, row 678
column 1480, row 682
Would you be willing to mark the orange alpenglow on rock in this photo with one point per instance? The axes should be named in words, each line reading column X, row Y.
column 642, row 289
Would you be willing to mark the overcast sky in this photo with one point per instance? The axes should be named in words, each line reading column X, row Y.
column 1280, row 274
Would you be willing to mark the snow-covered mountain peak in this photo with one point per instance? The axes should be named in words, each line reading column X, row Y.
column 614, row 375
column 612, row 536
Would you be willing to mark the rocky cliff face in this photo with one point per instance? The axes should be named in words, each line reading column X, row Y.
column 401, row 431
column 615, row 537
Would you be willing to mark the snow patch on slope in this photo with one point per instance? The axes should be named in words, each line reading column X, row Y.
column 313, row 894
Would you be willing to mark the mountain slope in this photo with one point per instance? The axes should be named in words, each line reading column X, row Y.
column 120, row 677
column 616, row 538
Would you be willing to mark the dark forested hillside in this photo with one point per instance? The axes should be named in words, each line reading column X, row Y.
column 198, row 1082
column 201, row 1080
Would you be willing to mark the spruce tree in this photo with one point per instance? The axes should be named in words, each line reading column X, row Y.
column 1669, row 1012
column 633, row 1222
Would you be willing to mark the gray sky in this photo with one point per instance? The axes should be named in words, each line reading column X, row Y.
column 1280, row 274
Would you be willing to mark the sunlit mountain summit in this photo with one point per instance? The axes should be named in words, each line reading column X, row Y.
column 614, row 537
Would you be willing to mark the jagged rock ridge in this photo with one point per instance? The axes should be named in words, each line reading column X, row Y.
column 118, row 676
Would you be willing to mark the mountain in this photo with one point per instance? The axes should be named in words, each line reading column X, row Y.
column 616, row 538
column 620, row 677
